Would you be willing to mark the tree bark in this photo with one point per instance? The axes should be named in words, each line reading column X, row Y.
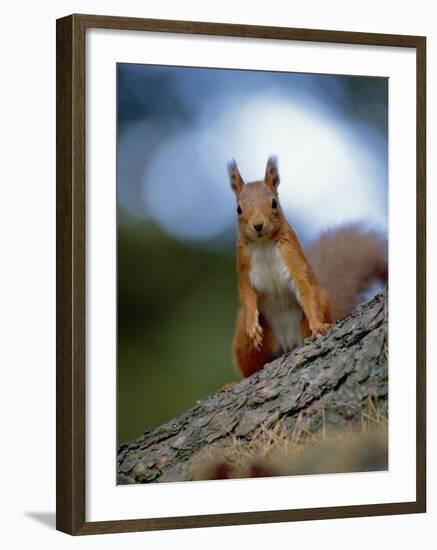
column 326, row 382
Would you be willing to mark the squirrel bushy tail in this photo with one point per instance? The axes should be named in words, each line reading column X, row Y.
column 346, row 261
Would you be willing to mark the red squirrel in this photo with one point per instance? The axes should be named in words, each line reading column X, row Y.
column 285, row 294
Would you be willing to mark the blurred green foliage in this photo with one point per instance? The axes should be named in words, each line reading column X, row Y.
column 175, row 321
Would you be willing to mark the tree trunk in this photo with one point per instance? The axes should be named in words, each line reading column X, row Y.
column 326, row 382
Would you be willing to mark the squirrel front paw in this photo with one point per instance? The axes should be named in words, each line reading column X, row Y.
column 255, row 332
column 320, row 328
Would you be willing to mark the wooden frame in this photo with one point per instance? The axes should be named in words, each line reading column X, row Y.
column 70, row 300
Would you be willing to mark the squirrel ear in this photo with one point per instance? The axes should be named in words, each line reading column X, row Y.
column 272, row 175
column 237, row 182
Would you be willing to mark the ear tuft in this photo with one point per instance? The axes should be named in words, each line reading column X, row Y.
column 236, row 180
column 272, row 175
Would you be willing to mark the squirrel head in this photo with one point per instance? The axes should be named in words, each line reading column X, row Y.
column 260, row 216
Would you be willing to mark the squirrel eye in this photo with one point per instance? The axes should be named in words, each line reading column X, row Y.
column 239, row 211
column 274, row 204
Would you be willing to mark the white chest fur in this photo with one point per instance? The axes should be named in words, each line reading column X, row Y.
column 277, row 294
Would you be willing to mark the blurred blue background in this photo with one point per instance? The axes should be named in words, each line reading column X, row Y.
column 177, row 128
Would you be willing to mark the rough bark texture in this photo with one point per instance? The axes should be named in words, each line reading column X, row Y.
column 327, row 381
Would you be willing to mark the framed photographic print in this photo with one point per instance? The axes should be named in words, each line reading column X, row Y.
column 240, row 274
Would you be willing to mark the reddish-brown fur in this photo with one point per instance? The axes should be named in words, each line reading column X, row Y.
column 344, row 262
column 254, row 342
column 248, row 358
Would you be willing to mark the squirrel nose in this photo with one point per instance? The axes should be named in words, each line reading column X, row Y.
column 258, row 227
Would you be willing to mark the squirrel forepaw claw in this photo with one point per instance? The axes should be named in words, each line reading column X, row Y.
column 255, row 333
column 257, row 344
column 320, row 328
